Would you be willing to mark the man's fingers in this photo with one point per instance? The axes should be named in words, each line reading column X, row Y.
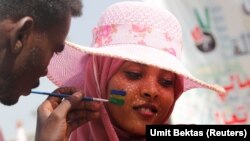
column 53, row 101
column 83, row 113
column 47, row 107
column 67, row 90
column 78, row 120
column 67, row 104
column 87, row 105
column 55, row 108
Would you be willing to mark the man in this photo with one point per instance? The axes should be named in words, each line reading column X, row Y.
column 31, row 31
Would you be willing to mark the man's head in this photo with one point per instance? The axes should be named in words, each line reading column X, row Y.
column 31, row 31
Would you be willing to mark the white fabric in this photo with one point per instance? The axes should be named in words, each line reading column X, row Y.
column 21, row 134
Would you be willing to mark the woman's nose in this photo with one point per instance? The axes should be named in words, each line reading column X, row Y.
column 149, row 90
column 149, row 95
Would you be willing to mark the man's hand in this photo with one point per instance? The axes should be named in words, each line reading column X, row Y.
column 57, row 118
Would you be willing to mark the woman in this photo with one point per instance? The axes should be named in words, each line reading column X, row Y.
column 136, row 50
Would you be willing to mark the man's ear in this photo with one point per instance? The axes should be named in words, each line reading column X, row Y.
column 19, row 32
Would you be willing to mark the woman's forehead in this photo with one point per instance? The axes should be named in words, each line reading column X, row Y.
column 131, row 63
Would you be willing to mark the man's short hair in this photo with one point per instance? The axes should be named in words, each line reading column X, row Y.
column 44, row 12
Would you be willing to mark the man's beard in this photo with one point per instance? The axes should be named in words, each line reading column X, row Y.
column 9, row 88
column 7, row 97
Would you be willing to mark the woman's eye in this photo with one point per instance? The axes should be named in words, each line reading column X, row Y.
column 133, row 75
column 166, row 82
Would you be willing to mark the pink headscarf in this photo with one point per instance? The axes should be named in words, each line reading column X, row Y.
column 98, row 72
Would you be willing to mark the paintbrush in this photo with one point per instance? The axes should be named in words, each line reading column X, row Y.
column 117, row 96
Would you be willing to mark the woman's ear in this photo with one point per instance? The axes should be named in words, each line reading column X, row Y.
column 20, row 31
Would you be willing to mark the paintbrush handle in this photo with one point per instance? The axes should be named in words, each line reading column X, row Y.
column 51, row 94
column 85, row 98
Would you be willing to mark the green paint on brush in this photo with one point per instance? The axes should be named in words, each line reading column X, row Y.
column 117, row 101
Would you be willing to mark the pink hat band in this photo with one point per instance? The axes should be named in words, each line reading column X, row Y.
column 136, row 34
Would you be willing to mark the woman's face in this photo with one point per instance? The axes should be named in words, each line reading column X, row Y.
column 150, row 95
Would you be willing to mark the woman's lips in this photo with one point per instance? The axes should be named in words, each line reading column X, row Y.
column 147, row 110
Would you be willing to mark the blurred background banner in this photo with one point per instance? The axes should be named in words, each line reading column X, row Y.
column 216, row 49
column 1, row 135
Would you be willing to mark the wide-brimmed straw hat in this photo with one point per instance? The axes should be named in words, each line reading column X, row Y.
column 132, row 31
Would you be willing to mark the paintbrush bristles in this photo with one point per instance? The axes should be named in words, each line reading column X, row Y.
column 100, row 99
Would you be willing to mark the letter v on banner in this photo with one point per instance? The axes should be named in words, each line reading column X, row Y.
column 203, row 38
column 204, row 25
